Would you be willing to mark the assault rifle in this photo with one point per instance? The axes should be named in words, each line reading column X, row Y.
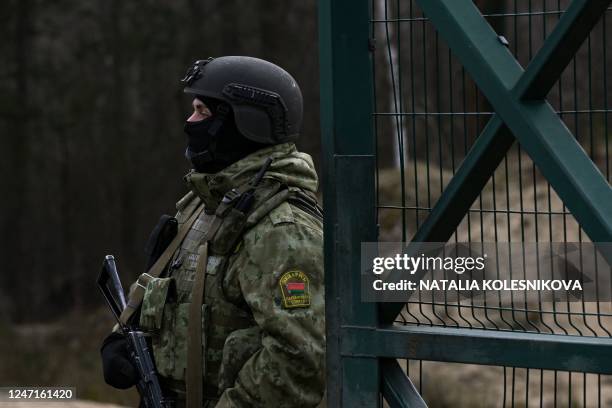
column 148, row 384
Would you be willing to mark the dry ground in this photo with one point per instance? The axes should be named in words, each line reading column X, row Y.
column 60, row 353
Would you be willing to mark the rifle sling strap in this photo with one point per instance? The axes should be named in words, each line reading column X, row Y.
column 196, row 343
column 137, row 293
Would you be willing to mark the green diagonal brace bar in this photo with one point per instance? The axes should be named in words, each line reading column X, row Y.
column 492, row 145
column 560, row 47
column 535, row 124
column 397, row 388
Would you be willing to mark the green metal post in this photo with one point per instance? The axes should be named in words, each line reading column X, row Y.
column 348, row 186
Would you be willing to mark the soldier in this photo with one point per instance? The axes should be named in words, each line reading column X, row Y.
column 235, row 304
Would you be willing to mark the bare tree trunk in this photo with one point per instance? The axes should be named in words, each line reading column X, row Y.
column 387, row 45
column 121, row 142
column 17, row 157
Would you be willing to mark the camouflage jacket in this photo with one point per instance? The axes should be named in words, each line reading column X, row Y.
column 263, row 313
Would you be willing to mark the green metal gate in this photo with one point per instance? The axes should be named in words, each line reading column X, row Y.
column 442, row 81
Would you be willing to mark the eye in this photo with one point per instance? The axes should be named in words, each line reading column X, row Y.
column 201, row 108
column 197, row 104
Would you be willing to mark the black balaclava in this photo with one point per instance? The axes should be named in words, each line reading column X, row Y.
column 215, row 142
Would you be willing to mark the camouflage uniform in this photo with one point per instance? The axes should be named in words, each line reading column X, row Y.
column 263, row 313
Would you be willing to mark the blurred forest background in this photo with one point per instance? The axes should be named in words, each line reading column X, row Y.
column 91, row 117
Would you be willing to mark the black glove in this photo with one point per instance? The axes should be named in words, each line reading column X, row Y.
column 119, row 372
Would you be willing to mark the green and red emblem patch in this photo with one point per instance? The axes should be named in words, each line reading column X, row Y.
column 295, row 289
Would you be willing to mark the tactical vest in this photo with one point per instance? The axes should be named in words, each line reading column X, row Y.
column 164, row 312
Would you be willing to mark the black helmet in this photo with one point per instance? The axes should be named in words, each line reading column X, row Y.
column 266, row 100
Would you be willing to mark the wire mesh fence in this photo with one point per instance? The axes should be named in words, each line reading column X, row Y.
column 468, row 385
column 427, row 113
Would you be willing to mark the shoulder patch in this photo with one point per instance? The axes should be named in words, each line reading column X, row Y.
column 295, row 287
column 282, row 213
